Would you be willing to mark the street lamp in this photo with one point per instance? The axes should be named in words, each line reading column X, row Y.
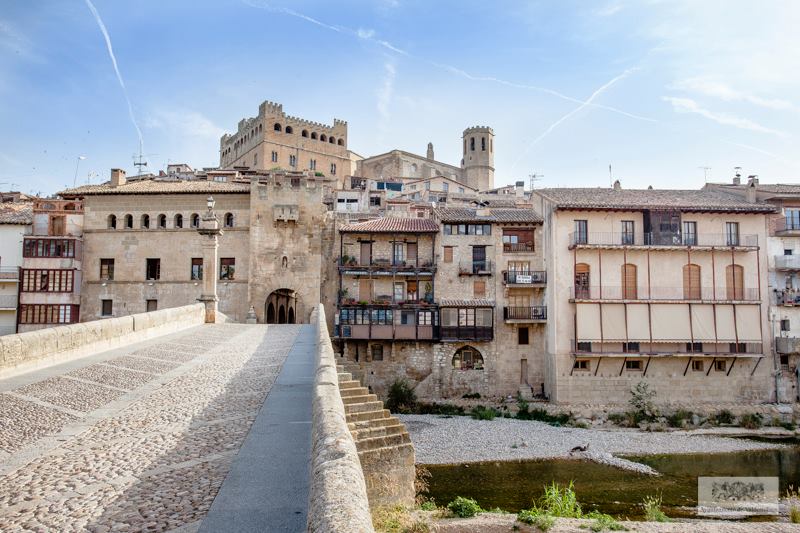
column 77, row 164
column 210, row 202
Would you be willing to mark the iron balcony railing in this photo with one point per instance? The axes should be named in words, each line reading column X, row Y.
column 787, row 262
column 387, row 263
column 662, row 239
column 788, row 225
column 536, row 312
column 525, row 277
column 485, row 267
column 517, row 247
column 9, row 273
column 788, row 297
column 681, row 348
column 747, row 294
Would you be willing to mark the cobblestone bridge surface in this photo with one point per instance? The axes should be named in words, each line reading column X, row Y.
column 134, row 439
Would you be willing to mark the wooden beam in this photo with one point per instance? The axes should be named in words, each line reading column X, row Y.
column 731, row 367
column 685, row 370
column 758, row 362
column 711, row 365
column 646, row 366
column 624, row 360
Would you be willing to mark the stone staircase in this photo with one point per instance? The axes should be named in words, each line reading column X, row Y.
column 383, row 444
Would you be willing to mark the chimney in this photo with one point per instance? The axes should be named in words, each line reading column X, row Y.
column 617, row 185
column 752, row 180
column 751, row 190
column 737, row 178
column 429, row 155
column 117, row 177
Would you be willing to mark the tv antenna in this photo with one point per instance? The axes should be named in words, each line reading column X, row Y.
column 139, row 161
column 534, row 178
column 705, row 173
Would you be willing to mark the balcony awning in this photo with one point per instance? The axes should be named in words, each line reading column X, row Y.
column 480, row 302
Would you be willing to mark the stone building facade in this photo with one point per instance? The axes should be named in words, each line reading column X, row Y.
column 16, row 218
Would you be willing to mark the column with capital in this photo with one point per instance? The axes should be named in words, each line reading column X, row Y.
column 209, row 229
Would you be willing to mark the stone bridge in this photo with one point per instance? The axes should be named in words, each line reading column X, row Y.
column 159, row 422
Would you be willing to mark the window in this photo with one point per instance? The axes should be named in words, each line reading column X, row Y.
column 276, row 127
column 468, row 358
column 289, row 129
column 39, row 280
column 483, row 144
column 732, row 233
column 479, row 289
column 627, row 232
column 48, row 248
column 720, row 366
column 734, row 282
column 629, row 286
column 467, row 229
column 304, row 133
column 274, row 157
column 314, row 135
column 178, row 222
column 630, row 347
column 112, row 222
column 227, row 268
column 792, row 218
column 162, row 221
column 584, row 347
column 128, row 221
column 151, row 305
column 691, row 282
column 472, row 144
column 145, row 221
column 48, row 314
column 197, row 268
column 522, row 336
column 737, row 347
column 445, row 187
column 582, row 290
column 333, row 169
column 697, row 366
column 633, row 364
column 411, row 290
column 581, row 235
column 381, row 317
column 106, row 307
column 153, row 269
column 377, row 352
column 694, row 347
column 398, row 253
column 399, row 290
column 517, row 240
column 425, row 318
column 312, row 164
column 58, row 225
column 292, row 160
column 194, row 220
column 785, row 324
column 448, row 254
column 375, row 201
column 228, row 220
column 107, row 269
column 255, row 160
column 690, row 233
column 581, row 364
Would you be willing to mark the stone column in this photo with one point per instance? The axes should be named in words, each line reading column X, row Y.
column 209, row 229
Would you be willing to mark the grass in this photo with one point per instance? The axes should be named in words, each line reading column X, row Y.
column 480, row 412
column 397, row 519
column 542, row 521
column 722, row 417
column 443, row 409
column 464, row 507
column 540, row 415
column 604, row 522
column 793, row 501
column 562, row 502
column 751, row 421
column 677, row 418
column 652, row 509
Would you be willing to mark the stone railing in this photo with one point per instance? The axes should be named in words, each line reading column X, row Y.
column 338, row 495
column 23, row 352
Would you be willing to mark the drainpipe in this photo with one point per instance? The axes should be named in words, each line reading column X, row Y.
column 775, row 361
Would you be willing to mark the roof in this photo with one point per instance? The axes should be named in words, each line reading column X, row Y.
column 393, row 225
column 772, row 188
column 152, row 186
column 464, row 214
column 16, row 213
column 636, row 199
column 455, row 302
column 439, row 177
column 411, row 154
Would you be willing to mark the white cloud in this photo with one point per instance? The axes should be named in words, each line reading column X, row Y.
column 184, row 123
column 365, row 33
column 687, row 105
column 727, row 93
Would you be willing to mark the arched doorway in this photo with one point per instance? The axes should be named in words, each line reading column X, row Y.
column 281, row 307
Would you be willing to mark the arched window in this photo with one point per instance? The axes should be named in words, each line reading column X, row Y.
column 112, row 221
column 277, row 127
column 734, row 281
column 332, row 140
column 228, row 220
column 304, row 133
column 194, row 220
column 289, row 129
column 162, row 221
column 178, row 222
column 483, row 144
column 145, row 221
column 691, row 282
column 582, row 281
column 340, row 142
column 629, row 282
column 128, row 221
column 467, row 358
column 472, row 144
column 323, row 138
column 314, row 135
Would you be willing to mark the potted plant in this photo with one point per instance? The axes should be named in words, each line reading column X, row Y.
column 362, row 302
column 428, row 292
column 344, row 259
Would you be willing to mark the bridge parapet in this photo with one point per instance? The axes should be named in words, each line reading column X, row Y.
column 23, row 352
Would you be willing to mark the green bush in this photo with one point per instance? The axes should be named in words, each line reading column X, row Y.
column 446, row 409
column 617, row 418
column 542, row 521
column 480, row 412
column 541, row 415
column 604, row 522
column 464, row 507
column 723, row 417
column 751, row 421
column 677, row 418
column 401, row 397
column 652, row 509
column 642, row 401
column 429, row 505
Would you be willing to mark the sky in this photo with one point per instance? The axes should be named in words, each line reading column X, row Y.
column 656, row 89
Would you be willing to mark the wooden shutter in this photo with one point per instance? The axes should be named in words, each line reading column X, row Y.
column 365, row 289
column 629, row 281
column 581, row 280
column 448, row 254
column 734, row 281
column 691, row 282
column 479, row 289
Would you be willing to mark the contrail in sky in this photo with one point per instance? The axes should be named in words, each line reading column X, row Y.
column 583, row 105
column 369, row 36
column 116, row 69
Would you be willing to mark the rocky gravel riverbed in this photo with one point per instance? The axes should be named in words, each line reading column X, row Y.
column 460, row 439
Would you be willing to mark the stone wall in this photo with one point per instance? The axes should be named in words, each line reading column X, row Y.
column 34, row 349
column 338, row 496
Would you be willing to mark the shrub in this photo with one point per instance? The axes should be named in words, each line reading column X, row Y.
column 677, row 418
column 751, row 421
column 445, row 409
column 429, row 505
column 723, row 417
column 794, row 515
column 604, row 522
column 561, row 502
column 472, row 396
column 542, row 521
column 642, row 400
column 401, row 397
column 788, row 425
column 396, row 519
column 464, row 507
column 793, row 501
column 617, row 418
column 480, row 412
column 541, row 415
column 652, row 509
column 421, row 484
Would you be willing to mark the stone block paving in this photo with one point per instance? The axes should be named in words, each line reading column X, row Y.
column 155, row 453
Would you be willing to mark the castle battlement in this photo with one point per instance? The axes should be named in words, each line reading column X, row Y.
column 478, row 129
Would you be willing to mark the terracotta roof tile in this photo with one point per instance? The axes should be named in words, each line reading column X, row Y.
column 393, row 225
column 161, row 187
column 464, row 214
column 16, row 213
column 635, row 199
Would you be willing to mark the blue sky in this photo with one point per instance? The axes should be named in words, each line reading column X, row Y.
column 655, row 88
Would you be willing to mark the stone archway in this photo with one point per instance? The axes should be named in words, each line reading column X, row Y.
column 281, row 307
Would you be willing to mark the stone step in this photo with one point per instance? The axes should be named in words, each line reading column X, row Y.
column 362, row 407
column 365, row 416
column 346, row 385
column 379, row 431
column 353, row 391
column 382, row 442
column 364, row 398
column 374, row 423
column 364, row 455
column 345, row 376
